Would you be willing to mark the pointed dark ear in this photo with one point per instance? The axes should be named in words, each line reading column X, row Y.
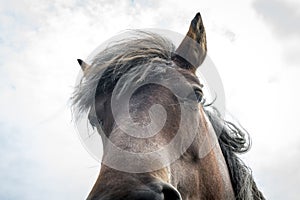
column 192, row 51
column 83, row 64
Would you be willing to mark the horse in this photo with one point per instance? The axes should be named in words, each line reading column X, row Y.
column 155, row 85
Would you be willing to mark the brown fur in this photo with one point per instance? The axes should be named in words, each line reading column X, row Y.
column 201, row 172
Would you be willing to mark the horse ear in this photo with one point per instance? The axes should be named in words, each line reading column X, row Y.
column 83, row 64
column 192, row 51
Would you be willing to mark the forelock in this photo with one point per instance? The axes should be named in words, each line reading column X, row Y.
column 133, row 54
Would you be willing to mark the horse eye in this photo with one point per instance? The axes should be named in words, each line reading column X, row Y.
column 199, row 94
column 94, row 121
column 100, row 122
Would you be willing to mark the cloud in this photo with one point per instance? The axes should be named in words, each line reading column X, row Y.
column 283, row 19
column 41, row 156
column 282, row 16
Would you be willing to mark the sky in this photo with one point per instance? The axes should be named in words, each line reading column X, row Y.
column 255, row 45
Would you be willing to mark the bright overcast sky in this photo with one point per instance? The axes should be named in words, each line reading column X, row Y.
column 255, row 44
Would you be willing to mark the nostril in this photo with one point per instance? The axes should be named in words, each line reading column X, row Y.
column 154, row 191
column 170, row 193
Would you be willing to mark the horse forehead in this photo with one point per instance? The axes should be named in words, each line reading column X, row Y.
column 190, row 77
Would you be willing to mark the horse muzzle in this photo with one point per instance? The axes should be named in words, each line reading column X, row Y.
column 151, row 191
column 156, row 191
